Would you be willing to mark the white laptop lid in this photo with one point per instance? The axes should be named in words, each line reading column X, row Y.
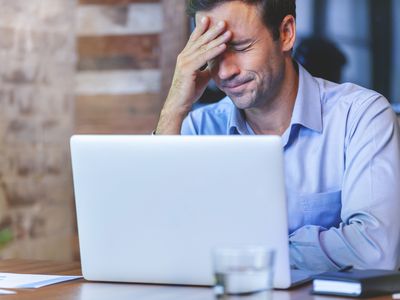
column 151, row 208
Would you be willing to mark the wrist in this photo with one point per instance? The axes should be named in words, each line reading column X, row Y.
column 170, row 121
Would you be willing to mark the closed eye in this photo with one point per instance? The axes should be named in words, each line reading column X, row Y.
column 241, row 46
column 241, row 49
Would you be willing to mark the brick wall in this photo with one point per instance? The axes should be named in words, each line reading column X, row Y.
column 118, row 79
column 37, row 66
column 67, row 67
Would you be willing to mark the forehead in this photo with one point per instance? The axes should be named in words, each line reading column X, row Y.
column 241, row 18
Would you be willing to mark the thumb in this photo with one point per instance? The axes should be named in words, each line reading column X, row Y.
column 203, row 78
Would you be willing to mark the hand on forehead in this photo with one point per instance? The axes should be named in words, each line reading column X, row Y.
column 242, row 19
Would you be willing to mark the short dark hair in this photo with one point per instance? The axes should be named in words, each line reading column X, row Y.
column 273, row 11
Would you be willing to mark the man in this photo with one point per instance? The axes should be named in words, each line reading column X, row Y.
column 341, row 142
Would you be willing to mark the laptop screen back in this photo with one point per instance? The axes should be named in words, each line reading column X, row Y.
column 151, row 208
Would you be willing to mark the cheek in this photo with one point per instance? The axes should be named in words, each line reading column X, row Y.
column 255, row 60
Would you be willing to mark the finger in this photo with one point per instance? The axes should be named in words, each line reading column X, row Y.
column 204, row 76
column 199, row 59
column 210, row 34
column 200, row 28
column 222, row 39
column 202, row 52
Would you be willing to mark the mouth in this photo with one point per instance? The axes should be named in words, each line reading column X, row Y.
column 236, row 87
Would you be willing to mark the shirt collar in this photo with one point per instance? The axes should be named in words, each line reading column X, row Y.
column 307, row 110
column 237, row 122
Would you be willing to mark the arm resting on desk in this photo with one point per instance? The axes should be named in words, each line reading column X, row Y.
column 368, row 236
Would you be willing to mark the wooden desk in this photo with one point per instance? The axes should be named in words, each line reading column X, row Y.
column 81, row 289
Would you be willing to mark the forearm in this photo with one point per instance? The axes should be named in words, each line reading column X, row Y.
column 368, row 235
column 171, row 120
column 364, row 243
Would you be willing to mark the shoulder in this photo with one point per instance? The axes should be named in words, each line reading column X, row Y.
column 352, row 100
column 222, row 108
column 354, row 110
column 209, row 119
column 347, row 94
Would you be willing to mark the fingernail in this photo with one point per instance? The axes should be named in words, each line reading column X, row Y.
column 221, row 24
column 227, row 33
column 203, row 20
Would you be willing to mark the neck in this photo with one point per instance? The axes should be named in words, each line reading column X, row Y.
column 274, row 117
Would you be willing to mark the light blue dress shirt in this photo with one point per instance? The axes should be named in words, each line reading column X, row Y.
column 342, row 164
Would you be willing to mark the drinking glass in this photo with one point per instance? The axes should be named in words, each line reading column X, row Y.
column 243, row 270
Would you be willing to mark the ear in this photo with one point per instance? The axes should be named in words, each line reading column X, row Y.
column 288, row 33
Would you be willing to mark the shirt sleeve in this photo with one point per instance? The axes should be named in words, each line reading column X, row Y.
column 368, row 235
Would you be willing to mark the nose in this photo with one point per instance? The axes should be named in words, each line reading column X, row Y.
column 227, row 66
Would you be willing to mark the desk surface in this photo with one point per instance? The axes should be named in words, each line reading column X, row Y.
column 81, row 289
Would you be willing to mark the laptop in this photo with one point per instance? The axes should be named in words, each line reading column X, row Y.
column 150, row 209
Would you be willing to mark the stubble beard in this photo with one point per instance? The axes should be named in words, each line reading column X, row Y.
column 269, row 88
column 245, row 100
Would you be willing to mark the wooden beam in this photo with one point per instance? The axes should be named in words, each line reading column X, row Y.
column 118, row 52
column 115, row 2
column 127, row 114
column 173, row 39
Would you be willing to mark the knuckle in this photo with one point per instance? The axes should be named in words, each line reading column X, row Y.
column 193, row 34
column 215, row 31
column 192, row 38
column 203, row 48
column 201, row 58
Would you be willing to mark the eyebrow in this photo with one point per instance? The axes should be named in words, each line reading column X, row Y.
column 240, row 42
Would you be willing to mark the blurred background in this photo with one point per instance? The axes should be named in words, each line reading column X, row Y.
column 105, row 66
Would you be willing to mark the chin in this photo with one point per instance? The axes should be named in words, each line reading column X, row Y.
column 242, row 101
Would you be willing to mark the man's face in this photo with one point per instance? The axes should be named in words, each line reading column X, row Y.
column 251, row 70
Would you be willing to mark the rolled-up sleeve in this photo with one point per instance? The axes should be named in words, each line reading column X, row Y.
column 369, row 233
